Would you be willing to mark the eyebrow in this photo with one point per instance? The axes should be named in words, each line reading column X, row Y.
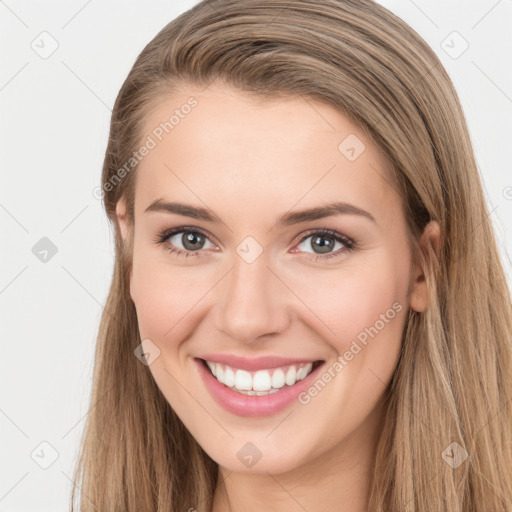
column 288, row 219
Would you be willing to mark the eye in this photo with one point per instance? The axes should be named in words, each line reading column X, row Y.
column 182, row 241
column 185, row 242
column 324, row 241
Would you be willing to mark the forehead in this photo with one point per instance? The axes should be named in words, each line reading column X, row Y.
column 241, row 155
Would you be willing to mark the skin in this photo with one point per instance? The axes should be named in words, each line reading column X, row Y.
column 250, row 162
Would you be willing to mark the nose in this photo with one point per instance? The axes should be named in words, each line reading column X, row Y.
column 252, row 302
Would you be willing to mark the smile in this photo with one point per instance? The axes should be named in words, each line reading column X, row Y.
column 261, row 382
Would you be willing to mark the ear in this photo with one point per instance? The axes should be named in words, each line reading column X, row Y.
column 419, row 292
column 121, row 218
column 123, row 229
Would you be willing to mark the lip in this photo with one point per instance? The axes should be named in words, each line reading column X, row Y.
column 253, row 406
column 254, row 363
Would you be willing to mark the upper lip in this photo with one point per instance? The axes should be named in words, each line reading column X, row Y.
column 255, row 363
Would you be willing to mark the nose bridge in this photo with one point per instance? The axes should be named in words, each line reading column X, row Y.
column 251, row 304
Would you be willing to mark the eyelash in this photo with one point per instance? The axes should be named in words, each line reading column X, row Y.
column 349, row 244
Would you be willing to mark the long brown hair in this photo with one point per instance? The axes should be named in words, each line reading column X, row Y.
column 453, row 381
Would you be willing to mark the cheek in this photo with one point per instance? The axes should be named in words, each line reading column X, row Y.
column 365, row 309
column 166, row 295
column 347, row 300
column 361, row 312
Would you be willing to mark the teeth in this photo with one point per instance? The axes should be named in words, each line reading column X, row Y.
column 291, row 375
column 220, row 374
column 262, row 382
column 229, row 377
column 278, row 379
column 300, row 374
column 243, row 379
column 213, row 367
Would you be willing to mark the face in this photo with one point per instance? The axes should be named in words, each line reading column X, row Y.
column 253, row 279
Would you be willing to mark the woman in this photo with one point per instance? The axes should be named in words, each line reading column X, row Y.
column 308, row 310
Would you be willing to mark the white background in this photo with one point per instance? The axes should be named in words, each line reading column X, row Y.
column 54, row 123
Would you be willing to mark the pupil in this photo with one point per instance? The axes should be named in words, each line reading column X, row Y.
column 324, row 247
column 190, row 240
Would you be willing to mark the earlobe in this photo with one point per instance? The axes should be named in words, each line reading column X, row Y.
column 419, row 299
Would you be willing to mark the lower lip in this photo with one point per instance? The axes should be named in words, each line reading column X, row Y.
column 251, row 406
